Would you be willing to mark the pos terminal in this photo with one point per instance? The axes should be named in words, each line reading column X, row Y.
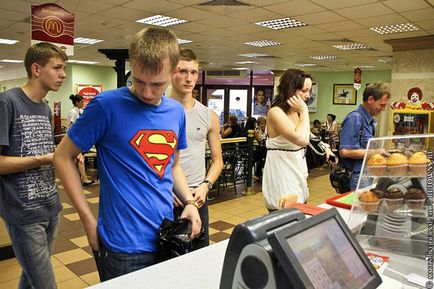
column 285, row 250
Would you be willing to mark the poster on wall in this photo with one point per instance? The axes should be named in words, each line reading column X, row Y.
column 313, row 99
column 88, row 91
column 52, row 23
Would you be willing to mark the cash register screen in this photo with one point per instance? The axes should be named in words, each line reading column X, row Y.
column 328, row 258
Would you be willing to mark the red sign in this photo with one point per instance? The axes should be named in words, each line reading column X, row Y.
column 52, row 23
column 88, row 91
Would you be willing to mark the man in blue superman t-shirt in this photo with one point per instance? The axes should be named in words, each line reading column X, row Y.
column 138, row 134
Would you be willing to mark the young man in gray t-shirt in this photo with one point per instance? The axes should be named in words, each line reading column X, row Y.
column 202, row 127
column 29, row 203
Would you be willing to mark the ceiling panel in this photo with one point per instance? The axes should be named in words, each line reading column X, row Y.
column 219, row 33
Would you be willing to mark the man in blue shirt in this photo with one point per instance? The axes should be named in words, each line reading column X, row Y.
column 138, row 133
column 359, row 126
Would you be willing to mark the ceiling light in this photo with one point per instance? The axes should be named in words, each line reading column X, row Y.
column 282, row 23
column 353, row 46
column 387, row 60
column 89, row 41
column 8, row 41
column 245, row 62
column 240, row 68
column 363, row 66
column 184, row 41
column 263, row 43
column 305, row 64
column 82, row 61
column 395, row 28
column 160, row 20
column 11, row 61
column 254, row 55
column 324, row 57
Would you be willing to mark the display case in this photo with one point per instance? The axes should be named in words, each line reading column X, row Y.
column 411, row 121
column 392, row 210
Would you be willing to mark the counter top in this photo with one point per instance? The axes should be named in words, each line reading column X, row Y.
column 201, row 269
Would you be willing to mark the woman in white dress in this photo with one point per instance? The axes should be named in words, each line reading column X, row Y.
column 288, row 128
column 74, row 113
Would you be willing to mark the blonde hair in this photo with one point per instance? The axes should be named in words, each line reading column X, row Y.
column 40, row 53
column 152, row 46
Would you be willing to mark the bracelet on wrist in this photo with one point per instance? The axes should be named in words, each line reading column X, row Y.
column 191, row 202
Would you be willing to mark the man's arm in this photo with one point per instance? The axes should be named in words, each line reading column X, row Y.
column 216, row 160
column 182, row 192
column 11, row 165
column 226, row 130
column 64, row 161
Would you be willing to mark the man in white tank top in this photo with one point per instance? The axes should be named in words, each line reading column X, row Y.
column 202, row 125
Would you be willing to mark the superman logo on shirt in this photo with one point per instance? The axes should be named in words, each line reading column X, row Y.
column 156, row 147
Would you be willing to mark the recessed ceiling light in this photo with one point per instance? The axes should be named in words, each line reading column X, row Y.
column 11, row 61
column 82, row 61
column 240, row 68
column 8, row 41
column 89, row 41
column 245, row 62
column 352, row 46
column 323, row 57
column 263, row 43
column 184, row 41
column 160, row 20
column 305, row 64
column 396, row 28
column 254, row 55
column 282, row 23
column 388, row 60
column 363, row 66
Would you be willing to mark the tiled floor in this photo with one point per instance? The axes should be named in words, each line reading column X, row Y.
column 72, row 259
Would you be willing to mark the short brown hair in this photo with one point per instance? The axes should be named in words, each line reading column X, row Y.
column 188, row 55
column 41, row 53
column 152, row 46
column 377, row 90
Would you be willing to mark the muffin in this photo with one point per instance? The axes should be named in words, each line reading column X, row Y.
column 377, row 165
column 368, row 202
column 417, row 164
column 397, row 164
column 379, row 193
column 415, row 198
column 394, row 198
column 384, row 183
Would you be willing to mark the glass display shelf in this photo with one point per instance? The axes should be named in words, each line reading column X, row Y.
column 392, row 207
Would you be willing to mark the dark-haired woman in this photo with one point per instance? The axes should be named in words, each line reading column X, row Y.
column 288, row 129
column 74, row 113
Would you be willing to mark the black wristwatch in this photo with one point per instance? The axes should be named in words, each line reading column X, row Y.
column 208, row 183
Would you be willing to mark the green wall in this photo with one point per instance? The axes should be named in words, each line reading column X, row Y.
column 75, row 74
column 325, row 91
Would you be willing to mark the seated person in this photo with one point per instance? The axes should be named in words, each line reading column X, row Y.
column 316, row 128
column 231, row 129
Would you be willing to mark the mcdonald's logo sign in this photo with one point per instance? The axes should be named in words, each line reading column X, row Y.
column 53, row 26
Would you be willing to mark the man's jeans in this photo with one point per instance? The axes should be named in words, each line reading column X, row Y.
column 33, row 245
column 111, row 264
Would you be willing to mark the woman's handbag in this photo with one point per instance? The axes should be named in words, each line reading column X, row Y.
column 340, row 180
